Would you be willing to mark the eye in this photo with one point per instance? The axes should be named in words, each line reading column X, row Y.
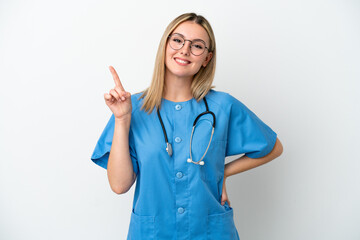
column 198, row 46
column 177, row 40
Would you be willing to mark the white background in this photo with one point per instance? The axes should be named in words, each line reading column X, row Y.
column 294, row 63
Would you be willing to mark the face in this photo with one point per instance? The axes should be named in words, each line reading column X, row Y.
column 182, row 63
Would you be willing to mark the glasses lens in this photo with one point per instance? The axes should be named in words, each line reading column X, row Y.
column 176, row 42
column 197, row 47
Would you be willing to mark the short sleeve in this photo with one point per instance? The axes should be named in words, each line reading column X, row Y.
column 101, row 152
column 247, row 133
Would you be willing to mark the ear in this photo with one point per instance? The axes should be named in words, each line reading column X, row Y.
column 207, row 59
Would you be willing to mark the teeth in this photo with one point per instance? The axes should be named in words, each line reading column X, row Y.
column 181, row 61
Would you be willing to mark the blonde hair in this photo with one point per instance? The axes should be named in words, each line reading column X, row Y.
column 202, row 81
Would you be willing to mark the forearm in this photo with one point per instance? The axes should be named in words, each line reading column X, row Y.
column 245, row 163
column 120, row 169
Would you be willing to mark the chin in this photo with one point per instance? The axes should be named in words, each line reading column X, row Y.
column 182, row 75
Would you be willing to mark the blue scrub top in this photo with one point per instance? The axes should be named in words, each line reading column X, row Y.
column 175, row 199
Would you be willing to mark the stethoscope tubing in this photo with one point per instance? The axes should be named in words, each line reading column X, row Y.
column 168, row 145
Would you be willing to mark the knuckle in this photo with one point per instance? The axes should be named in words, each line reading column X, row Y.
column 113, row 93
column 118, row 89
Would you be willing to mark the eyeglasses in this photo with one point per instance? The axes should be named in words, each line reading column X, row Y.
column 197, row 47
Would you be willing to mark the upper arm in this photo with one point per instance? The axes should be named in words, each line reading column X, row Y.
column 247, row 133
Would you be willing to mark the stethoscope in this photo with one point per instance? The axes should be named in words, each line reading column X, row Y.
column 168, row 145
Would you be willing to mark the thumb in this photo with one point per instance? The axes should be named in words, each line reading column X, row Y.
column 223, row 199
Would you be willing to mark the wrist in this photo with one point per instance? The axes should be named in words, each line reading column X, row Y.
column 125, row 120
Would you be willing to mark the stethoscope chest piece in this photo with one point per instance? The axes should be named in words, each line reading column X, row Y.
column 169, row 149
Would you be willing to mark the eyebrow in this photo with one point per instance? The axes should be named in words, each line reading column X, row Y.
column 196, row 39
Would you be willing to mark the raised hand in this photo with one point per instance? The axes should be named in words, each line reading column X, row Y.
column 118, row 100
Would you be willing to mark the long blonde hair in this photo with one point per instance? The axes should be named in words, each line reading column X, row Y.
column 202, row 81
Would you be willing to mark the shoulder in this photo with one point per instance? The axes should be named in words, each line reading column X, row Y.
column 223, row 100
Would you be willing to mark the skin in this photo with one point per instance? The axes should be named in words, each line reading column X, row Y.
column 177, row 88
column 118, row 100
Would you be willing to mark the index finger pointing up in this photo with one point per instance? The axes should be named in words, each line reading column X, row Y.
column 116, row 78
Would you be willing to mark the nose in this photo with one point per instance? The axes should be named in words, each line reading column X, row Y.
column 186, row 48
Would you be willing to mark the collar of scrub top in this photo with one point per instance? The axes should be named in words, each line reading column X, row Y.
column 168, row 145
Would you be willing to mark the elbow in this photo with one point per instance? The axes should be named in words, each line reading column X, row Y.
column 116, row 189
column 116, row 186
column 278, row 148
column 119, row 190
column 276, row 151
column 122, row 188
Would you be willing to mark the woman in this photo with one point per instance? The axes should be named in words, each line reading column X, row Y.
column 180, row 190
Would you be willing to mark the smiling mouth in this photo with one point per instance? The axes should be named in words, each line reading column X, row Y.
column 182, row 62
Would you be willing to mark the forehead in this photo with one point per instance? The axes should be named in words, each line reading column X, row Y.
column 192, row 30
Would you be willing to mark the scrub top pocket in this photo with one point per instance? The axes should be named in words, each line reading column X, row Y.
column 221, row 226
column 141, row 227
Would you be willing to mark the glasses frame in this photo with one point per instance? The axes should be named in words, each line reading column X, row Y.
column 176, row 34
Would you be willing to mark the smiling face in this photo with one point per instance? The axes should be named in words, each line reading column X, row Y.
column 182, row 63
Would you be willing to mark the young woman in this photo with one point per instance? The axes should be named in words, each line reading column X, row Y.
column 173, row 139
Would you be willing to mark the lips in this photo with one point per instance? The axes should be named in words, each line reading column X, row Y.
column 182, row 61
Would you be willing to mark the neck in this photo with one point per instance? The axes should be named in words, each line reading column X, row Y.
column 177, row 89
